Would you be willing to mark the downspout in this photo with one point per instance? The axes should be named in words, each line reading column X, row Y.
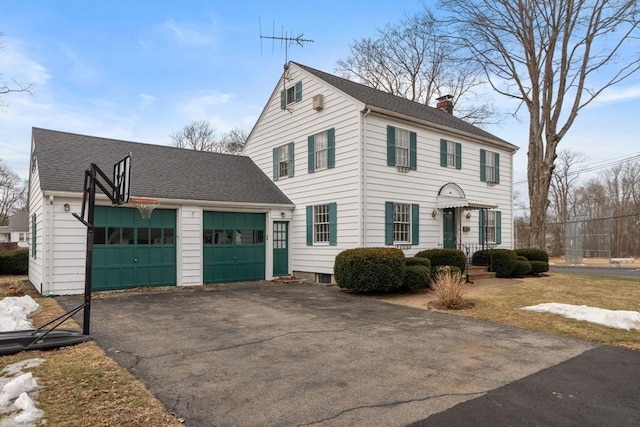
column 363, row 186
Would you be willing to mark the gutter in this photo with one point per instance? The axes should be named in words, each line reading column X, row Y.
column 363, row 187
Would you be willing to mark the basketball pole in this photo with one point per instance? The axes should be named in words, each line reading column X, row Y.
column 89, row 260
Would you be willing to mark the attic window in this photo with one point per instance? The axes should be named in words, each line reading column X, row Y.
column 291, row 95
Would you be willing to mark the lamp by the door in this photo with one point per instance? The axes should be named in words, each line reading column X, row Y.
column 434, row 214
column 468, row 216
column 67, row 208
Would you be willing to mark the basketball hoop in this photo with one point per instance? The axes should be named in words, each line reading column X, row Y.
column 145, row 205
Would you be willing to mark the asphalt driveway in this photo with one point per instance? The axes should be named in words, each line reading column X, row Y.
column 265, row 354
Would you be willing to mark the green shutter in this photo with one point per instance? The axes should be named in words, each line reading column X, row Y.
column 298, row 90
column 415, row 224
column 498, row 227
column 331, row 148
column 388, row 223
column 413, row 151
column 311, row 152
column 443, row 153
column 291, row 168
column 283, row 100
column 309, row 225
column 483, row 165
column 481, row 226
column 33, row 235
column 333, row 224
column 391, row 146
column 497, row 168
column 275, row 164
column 458, row 156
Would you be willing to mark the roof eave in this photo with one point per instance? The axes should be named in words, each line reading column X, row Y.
column 505, row 145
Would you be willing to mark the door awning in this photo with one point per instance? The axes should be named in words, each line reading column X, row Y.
column 444, row 202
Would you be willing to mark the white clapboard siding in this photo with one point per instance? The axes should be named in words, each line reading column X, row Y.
column 340, row 184
column 36, row 206
column 189, row 243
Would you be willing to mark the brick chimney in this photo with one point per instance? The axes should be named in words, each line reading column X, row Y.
column 445, row 103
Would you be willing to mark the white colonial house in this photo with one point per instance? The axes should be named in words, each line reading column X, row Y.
column 218, row 221
column 366, row 169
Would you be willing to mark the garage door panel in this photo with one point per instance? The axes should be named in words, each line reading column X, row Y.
column 130, row 251
column 233, row 246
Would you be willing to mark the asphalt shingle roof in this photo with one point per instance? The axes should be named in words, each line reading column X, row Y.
column 377, row 98
column 157, row 171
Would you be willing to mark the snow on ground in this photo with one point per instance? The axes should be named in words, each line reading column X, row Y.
column 15, row 312
column 16, row 405
column 17, row 408
column 619, row 319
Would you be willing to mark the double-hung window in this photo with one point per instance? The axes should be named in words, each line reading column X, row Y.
column 322, row 224
column 402, row 149
column 489, row 167
column 321, row 149
column 490, row 226
column 283, row 166
column 450, row 154
column 401, row 224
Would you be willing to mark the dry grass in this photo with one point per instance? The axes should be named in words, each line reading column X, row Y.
column 11, row 287
column 594, row 262
column 80, row 385
column 450, row 288
column 503, row 305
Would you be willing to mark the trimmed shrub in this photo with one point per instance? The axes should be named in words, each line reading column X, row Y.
column 445, row 257
column 522, row 268
column 416, row 277
column 418, row 261
column 480, row 257
column 14, row 262
column 503, row 262
column 533, row 254
column 539, row 267
column 370, row 269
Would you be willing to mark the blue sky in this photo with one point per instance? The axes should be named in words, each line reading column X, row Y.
column 141, row 70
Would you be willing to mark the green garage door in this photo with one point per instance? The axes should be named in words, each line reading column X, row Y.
column 233, row 246
column 129, row 251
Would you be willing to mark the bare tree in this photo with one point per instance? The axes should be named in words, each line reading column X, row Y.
column 12, row 193
column 7, row 88
column 556, row 57
column 234, row 141
column 198, row 135
column 202, row 136
column 563, row 181
column 414, row 61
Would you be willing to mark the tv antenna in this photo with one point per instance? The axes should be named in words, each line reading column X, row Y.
column 287, row 39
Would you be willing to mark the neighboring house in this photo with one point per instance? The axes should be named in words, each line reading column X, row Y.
column 17, row 231
column 366, row 168
column 216, row 224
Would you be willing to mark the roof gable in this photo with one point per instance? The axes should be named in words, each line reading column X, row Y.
column 157, row 171
column 392, row 103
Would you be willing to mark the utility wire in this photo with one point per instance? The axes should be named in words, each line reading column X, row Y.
column 593, row 167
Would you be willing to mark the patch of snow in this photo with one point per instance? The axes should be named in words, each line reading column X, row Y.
column 619, row 319
column 17, row 387
column 15, row 312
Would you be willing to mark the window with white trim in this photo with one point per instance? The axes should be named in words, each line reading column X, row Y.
column 321, row 224
column 490, row 227
column 451, row 154
column 283, row 161
column 490, row 167
column 402, row 147
column 401, row 223
column 321, row 150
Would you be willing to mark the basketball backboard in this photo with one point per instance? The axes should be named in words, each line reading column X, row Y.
column 122, row 180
